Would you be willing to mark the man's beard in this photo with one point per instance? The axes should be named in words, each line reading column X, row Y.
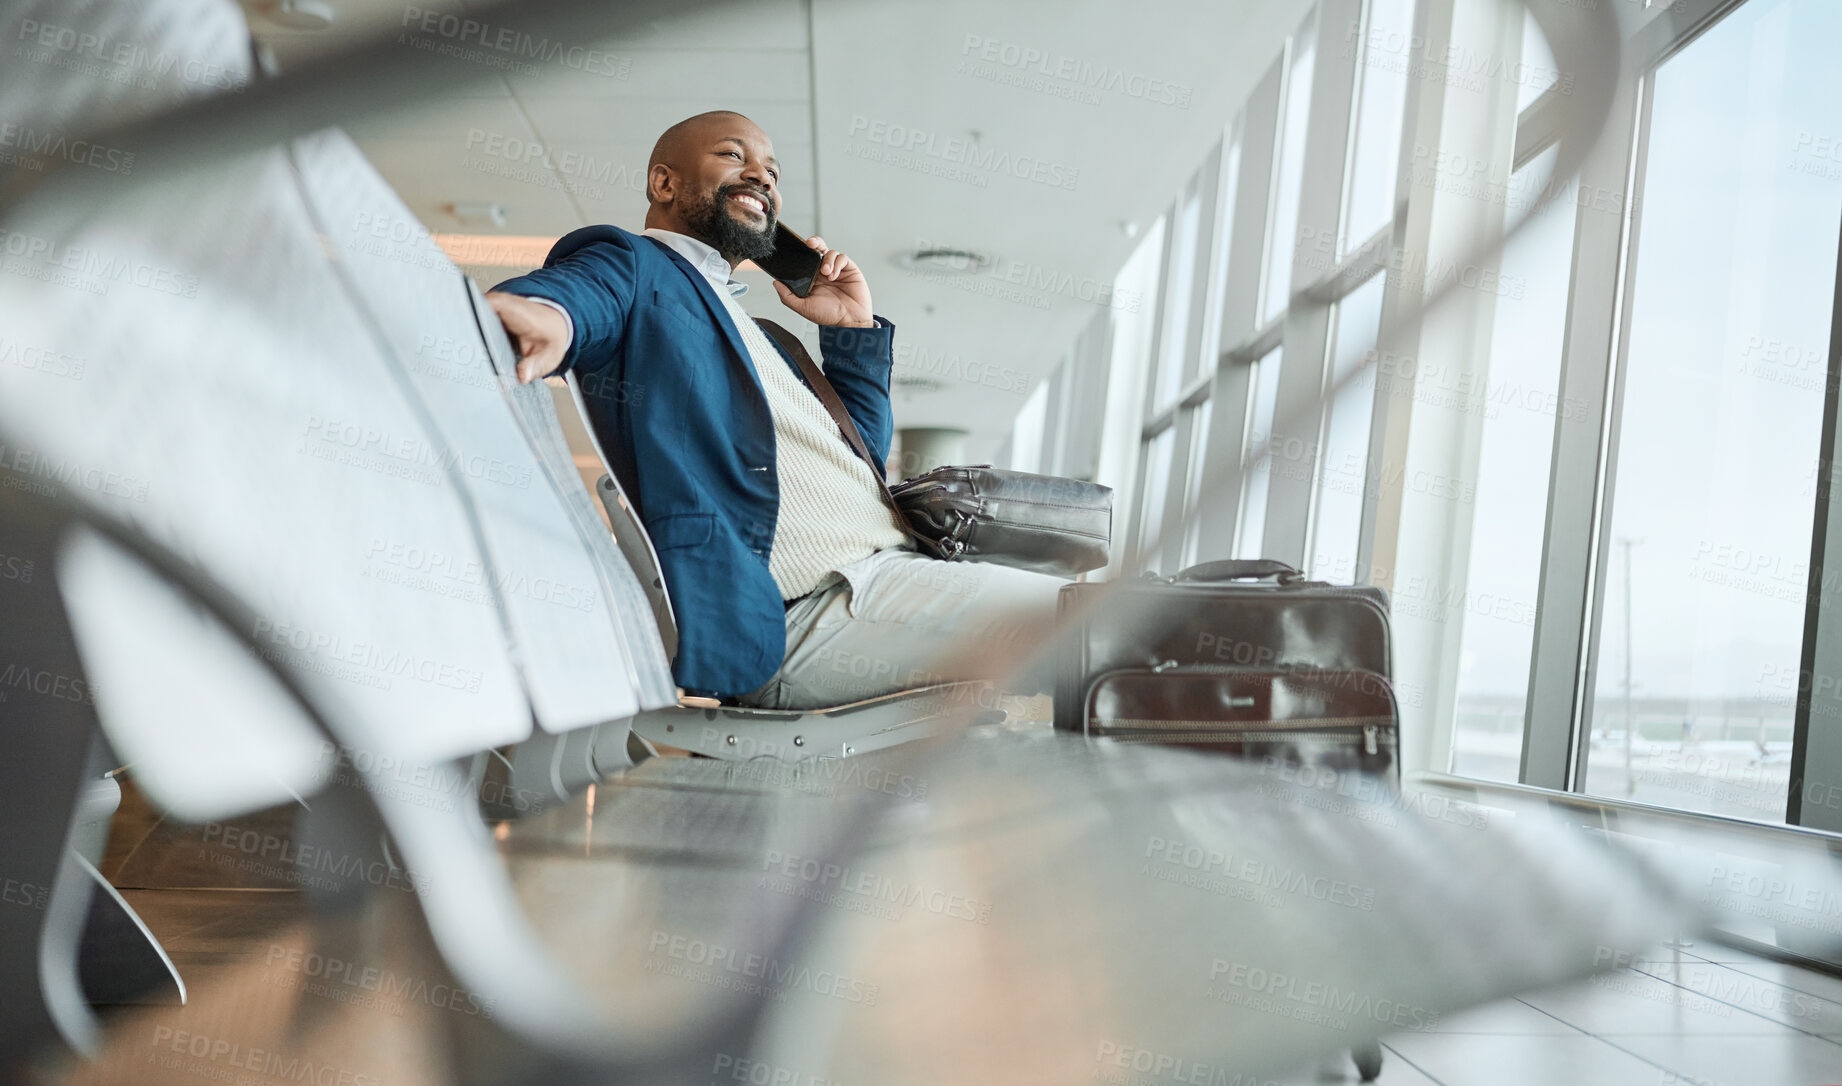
column 728, row 235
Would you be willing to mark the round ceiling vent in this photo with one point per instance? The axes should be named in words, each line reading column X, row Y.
column 300, row 14
column 937, row 258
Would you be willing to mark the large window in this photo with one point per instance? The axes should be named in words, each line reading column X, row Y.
column 1573, row 423
column 1710, row 523
column 1516, row 401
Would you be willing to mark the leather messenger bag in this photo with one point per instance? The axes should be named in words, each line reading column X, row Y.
column 979, row 513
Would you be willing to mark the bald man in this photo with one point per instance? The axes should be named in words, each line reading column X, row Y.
column 791, row 579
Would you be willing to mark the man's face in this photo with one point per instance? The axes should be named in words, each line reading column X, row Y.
column 729, row 192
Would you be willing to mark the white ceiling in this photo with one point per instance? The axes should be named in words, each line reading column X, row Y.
column 831, row 81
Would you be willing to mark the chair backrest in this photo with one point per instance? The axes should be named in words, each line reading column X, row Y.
column 631, row 536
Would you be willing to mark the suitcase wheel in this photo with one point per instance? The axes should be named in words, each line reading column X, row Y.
column 1368, row 1059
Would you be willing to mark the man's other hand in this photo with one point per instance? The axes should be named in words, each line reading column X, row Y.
column 839, row 293
column 538, row 333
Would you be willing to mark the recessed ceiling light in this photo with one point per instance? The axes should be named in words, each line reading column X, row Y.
column 300, row 14
column 942, row 259
column 472, row 213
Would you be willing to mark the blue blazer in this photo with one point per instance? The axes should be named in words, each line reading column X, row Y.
column 681, row 414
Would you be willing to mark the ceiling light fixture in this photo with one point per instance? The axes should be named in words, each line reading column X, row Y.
column 300, row 14
column 493, row 213
column 943, row 259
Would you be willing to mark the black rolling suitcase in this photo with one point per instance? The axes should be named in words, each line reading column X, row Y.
column 1244, row 658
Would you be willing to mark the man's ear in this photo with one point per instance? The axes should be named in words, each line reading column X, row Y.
column 661, row 186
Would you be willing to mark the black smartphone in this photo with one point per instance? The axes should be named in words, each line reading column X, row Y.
column 793, row 262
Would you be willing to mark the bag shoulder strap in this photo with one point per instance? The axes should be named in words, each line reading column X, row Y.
column 821, row 388
column 834, row 407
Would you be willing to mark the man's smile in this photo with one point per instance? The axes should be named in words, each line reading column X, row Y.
column 750, row 201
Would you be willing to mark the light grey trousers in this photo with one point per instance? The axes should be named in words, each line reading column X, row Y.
column 897, row 619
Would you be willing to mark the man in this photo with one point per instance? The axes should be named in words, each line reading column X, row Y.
column 792, row 583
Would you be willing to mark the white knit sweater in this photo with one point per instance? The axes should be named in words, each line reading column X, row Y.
column 831, row 511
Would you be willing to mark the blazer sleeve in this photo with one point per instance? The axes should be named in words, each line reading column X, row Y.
column 857, row 362
column 595, row 287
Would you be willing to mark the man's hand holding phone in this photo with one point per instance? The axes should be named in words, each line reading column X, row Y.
column 840, row 295
column 538, row 333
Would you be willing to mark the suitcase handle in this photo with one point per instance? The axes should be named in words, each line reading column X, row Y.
column 1240, row 569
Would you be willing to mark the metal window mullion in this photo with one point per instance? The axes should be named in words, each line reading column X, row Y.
column 1816, row 753
column 1170, row 526
column 1567, row 600
column 1357, row 267
column 1154, row 360
column 1298, row 415
column 1417, row 537
column 1242, row 263
column 1049, row 460
column 1198, row 346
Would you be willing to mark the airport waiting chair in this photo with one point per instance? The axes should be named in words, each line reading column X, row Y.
column 561, row 765
column 737, row 733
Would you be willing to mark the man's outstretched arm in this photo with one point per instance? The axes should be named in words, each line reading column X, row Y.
column 590, row 294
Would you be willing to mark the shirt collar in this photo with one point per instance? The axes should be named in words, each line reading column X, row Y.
column 702, row 257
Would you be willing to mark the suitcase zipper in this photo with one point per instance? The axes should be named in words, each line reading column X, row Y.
column 1372, row 744
column 1371, row 729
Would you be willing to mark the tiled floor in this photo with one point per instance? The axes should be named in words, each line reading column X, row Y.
column 1705, row 1015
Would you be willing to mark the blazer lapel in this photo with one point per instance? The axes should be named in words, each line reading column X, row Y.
column 738, row 351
